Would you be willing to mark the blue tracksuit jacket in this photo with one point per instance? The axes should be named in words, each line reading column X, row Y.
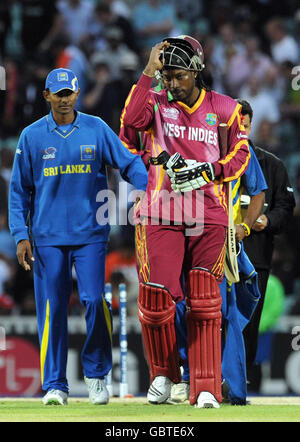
column 57, row 178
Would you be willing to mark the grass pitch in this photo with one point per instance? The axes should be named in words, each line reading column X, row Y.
column 262, row 409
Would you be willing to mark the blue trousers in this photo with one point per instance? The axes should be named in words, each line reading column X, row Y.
column 239, row 301
column 181, row 337
column 53, row 287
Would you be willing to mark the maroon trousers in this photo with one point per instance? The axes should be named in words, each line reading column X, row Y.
column 165, row 254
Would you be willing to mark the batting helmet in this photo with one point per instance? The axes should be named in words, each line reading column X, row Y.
column 184, row 52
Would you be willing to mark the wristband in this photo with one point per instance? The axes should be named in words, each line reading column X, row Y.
column 246, row 228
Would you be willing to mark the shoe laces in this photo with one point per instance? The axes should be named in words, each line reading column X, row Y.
column 53, row 390
column 96, row 385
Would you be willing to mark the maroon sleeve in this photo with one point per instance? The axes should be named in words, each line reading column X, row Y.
column 133, row 140
column 139, row 107
column 236, row 161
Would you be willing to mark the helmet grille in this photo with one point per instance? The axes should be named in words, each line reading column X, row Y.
column 181, row 57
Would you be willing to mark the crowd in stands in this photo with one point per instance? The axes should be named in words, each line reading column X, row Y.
column 252, row 51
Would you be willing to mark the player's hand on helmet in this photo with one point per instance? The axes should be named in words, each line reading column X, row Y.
column 155, row 63
column 194, row 176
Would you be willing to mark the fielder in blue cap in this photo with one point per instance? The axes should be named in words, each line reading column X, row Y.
column 58, row 175
column 62, row 91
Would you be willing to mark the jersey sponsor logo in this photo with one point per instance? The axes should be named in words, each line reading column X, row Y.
column 88, row 152
column 241, row 136
column 67, row 169
column 18, row 151
column 211, row 119
column 49, row 153
column 170, row 112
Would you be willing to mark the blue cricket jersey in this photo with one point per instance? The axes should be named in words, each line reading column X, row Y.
column 253, row 182
column 57, row 177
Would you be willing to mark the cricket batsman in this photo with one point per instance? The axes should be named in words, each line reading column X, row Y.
column 177, row 264
column 57, row 186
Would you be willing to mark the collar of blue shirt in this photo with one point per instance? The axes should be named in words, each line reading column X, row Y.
column 53, row 125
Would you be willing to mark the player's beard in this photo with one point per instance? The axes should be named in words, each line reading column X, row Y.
column 188, row 97
column 178, row 94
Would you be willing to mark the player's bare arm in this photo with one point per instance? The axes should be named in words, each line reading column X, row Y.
column 253, row 212
column 261, row 223
column 24, row 254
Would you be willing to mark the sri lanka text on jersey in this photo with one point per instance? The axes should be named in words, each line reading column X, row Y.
column 67, row 169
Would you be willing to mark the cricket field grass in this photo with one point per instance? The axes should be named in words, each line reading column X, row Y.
column 136, row 409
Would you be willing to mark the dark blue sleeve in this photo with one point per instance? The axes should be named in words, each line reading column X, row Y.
column 20, row 191
column 253, row 178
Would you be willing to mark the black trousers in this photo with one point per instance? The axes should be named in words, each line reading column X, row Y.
column 251, row 329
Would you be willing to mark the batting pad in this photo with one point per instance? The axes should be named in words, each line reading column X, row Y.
column 157, row 318
column 204, row 333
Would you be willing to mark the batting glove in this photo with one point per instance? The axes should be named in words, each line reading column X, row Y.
column 169, row 163
column 172, row 173
column 194, row 176
column 175, row 163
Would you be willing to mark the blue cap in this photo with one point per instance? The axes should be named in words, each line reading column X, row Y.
column 60, row 79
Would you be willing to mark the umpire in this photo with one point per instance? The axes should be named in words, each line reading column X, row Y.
column 278, row 210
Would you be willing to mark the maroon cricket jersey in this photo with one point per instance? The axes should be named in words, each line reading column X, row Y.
column 193, row 132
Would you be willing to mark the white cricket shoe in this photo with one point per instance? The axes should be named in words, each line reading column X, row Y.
column 207, row 400
column 160, row 390
column 180, row 392
column 98, row 393
column 55, row 397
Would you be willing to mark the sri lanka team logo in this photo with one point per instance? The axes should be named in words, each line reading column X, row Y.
column 49, row 153
column 62, row 76
column 88, row 152
column 211, row 119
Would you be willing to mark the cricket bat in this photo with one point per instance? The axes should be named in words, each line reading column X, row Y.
column 230, row 266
